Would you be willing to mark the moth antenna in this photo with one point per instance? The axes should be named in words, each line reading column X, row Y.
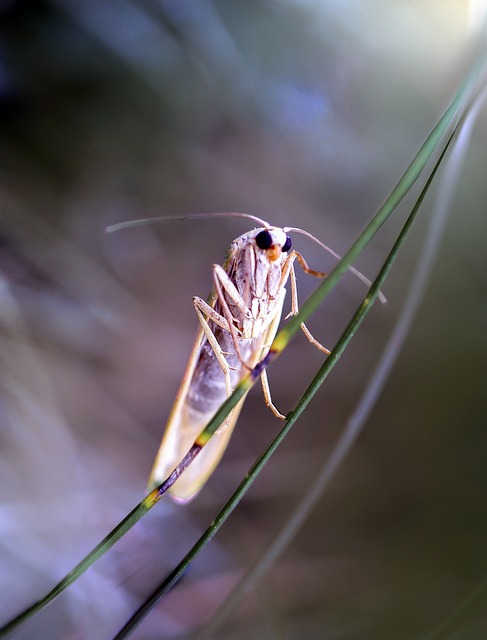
column 353, row 270
column 187, row 216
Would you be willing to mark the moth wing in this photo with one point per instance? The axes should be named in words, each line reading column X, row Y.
column 189, row 425
column 183, row 427
column 169, row 453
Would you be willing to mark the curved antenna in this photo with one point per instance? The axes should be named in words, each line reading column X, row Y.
column 353, row 270
column 187, row 216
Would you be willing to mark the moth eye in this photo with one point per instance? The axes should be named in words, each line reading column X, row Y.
column 287, row 245
column 263, row 240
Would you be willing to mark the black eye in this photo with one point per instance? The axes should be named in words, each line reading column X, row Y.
column 263, row 240
column 287, row 245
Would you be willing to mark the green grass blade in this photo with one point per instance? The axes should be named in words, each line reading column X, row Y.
column 310, row 392
column 120, row 530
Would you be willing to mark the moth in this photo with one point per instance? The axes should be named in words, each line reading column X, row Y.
column 238, row 323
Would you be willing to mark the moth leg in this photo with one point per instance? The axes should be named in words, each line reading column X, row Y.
column 223, row 283
column 267, row 396
column 206, row 310
column 313, row 340
column 203, row 309
column 210, row 336
column 295, row 306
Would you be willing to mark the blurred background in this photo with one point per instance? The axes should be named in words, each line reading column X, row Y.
column 306, row 114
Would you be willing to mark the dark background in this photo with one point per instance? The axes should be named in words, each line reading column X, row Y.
column 306, row 114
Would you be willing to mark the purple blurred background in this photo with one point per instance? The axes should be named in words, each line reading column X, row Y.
column 304, row 113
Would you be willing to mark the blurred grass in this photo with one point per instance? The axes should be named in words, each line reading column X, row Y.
column 305, row 114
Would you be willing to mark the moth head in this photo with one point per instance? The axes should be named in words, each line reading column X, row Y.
column 273, row 241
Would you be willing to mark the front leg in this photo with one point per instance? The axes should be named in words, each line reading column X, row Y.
column 225, row 320
column 223, row 285
column 203, row 309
